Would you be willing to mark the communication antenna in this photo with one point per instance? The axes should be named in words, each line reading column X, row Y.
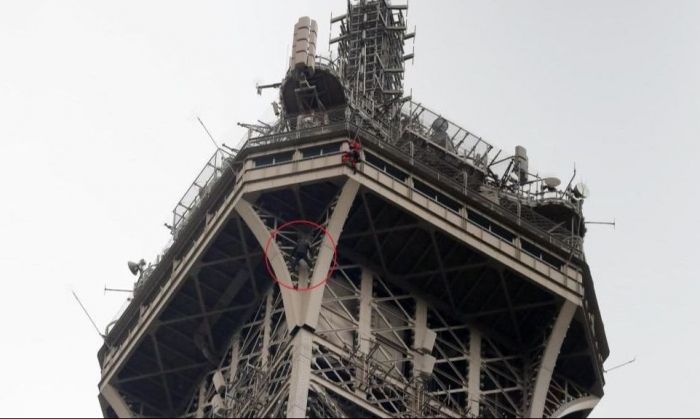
column 581, row 191
column 607, row 223
column 97, row 329
column 231, row 149
column 551, row 183
column 211, row 137
column 208, row 133
column 116, row 290
column 260, row 87
column 573, row 176
column 621, row 365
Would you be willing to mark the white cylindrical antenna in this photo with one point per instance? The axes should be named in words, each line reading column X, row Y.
column 304, row 44
column 521, row 164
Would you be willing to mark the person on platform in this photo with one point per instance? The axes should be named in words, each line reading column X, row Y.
column 353, row 156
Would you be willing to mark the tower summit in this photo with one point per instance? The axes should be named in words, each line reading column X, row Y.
column 362, row 256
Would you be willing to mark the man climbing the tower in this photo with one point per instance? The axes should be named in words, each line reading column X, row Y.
column 301, row 253
column 353, row 156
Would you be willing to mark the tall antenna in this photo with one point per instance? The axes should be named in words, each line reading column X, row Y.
column 606, row 223
column 218, row 148
column 208, row 133
column 621, row 365
column 97, row 329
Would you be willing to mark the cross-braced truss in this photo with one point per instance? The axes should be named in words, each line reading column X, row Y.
column 366, row 363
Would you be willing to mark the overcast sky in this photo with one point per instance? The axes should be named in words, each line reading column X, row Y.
column 99, row 140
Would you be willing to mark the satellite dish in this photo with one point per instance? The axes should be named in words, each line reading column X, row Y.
column 551, row 183
column 440, row 124
column 581, row 191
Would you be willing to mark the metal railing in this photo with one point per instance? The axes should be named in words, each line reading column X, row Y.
column 451, row 137
column 345, row 120
column 211, row 171
column 297, row 127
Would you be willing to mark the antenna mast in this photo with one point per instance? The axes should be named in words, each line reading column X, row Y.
column 97, row 329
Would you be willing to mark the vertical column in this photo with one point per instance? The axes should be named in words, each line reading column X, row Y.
column 265, row 355
column 364, row 329
column 201, row 399
column 464, row 216
column 228, row 401
column 301, row 374
column 474, row 379
column 420, row 330
column 421, row 323
column 235, row 356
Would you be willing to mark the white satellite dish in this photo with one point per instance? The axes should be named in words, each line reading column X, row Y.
column 581, row 191
column 551, row 182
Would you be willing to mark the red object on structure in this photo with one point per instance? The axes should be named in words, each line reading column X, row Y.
column 353, row 155
column 355, row 145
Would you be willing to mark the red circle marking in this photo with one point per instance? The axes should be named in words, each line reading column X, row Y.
column 273, row 234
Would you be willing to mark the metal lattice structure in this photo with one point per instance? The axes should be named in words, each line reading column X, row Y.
column 371, row 55
column 441, row 279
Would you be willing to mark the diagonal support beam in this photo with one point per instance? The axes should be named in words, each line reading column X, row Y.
column 373, row 229
column 443, row 276
column 549, row 359
column 205, row 326
column 248, row 254
column 255, row 224
column 166, row 386
column 313, row 299
column 116, row 401
column 513, row 317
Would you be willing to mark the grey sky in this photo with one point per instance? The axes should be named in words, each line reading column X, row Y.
column 98, row 141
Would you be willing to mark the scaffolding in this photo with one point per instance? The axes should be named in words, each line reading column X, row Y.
column 371, row 55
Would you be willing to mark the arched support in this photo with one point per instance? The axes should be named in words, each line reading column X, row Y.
column 253, row 221
column 549, row 359
column 302, row 308
column 116, row 401
column 312, row 300
column 578, row 405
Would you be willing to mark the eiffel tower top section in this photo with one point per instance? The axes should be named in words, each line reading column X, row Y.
column 361, row 90
column 422, row 272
